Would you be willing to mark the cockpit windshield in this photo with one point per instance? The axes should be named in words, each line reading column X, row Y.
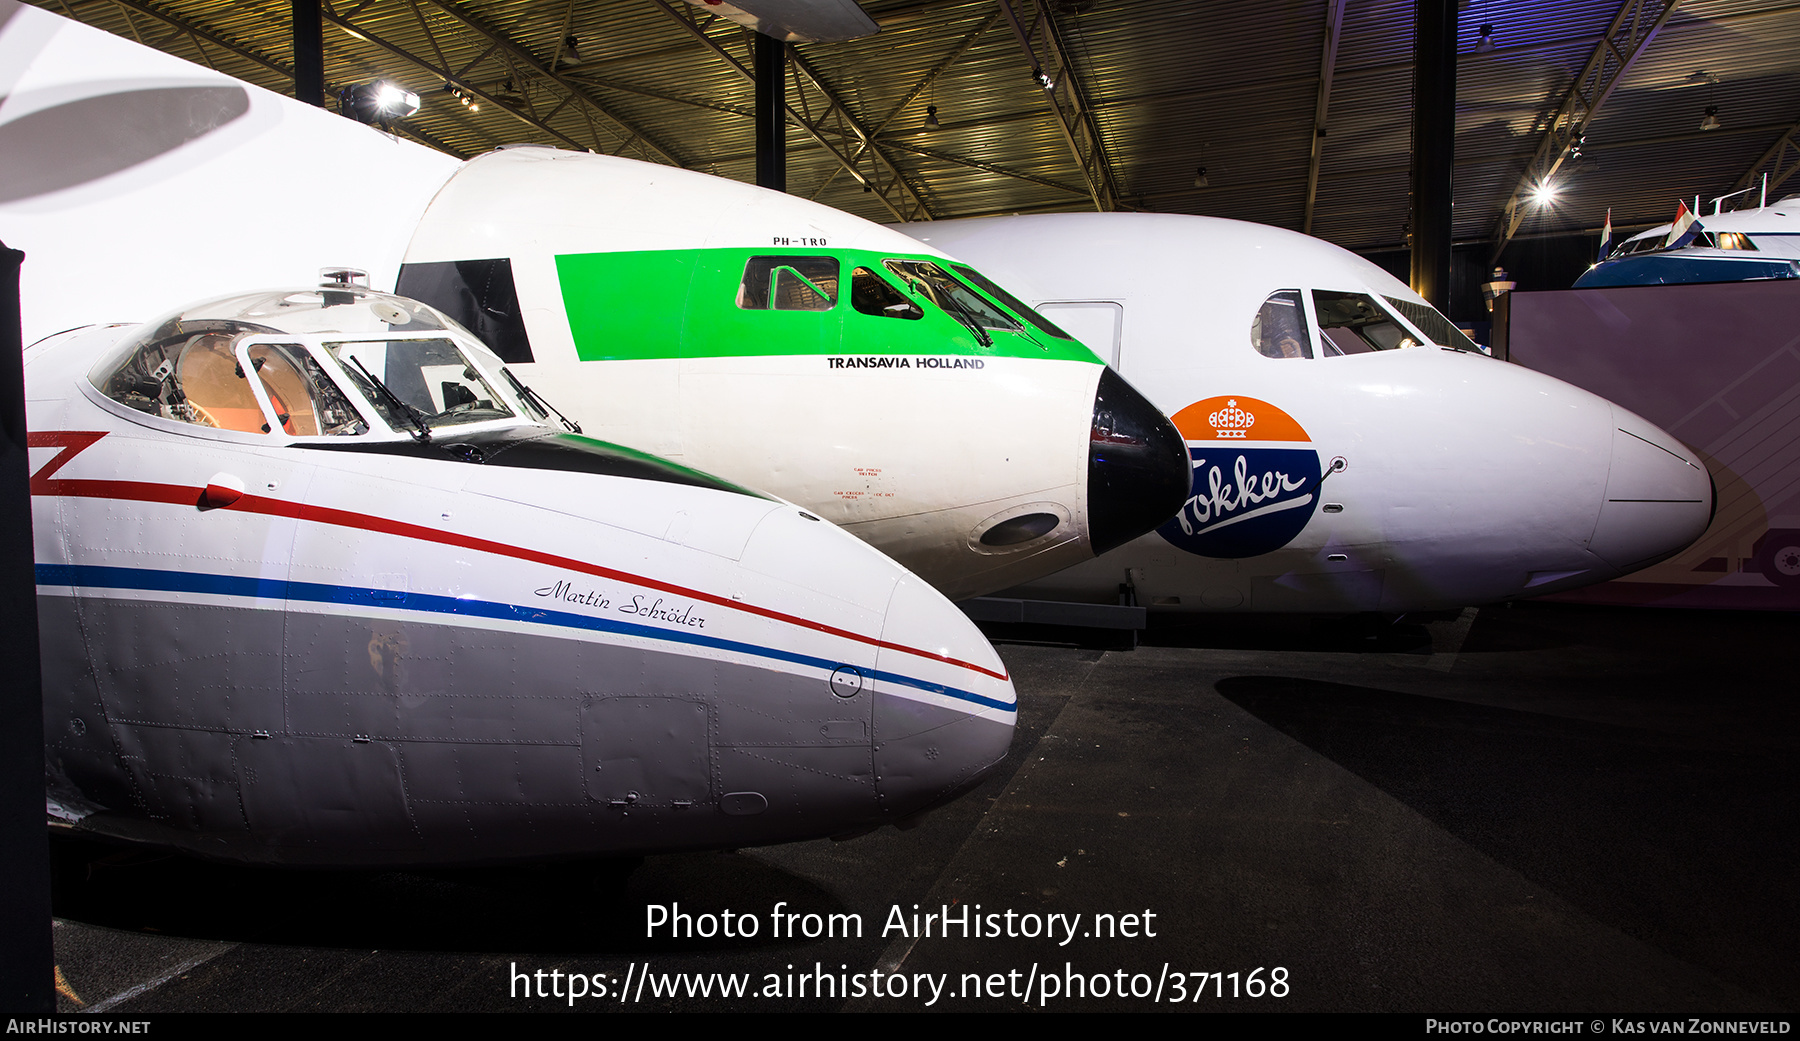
column 429, row 381
column 1438, row 329
column 961, row 302
column 1018, row 306
column 314, row 363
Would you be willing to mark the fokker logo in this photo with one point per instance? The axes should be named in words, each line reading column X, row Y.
column 1231, row 421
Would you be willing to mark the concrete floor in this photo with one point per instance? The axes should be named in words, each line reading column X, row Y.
column 1536, row 808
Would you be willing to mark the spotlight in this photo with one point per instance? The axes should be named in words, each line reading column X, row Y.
column 1544, row 194
column 931, row 119
column 1200, row 180
column 1710, row 121
column 1485, row 42
column 377, row 103
column 1042, row 78
column 571, row 54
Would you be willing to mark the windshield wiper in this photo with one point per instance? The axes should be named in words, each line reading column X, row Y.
column 956, row 310
column 413, row 415
column 534, row 398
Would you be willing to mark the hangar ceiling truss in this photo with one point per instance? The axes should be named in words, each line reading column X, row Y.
column 1629, row 35
column 487, row 64
column 818, row 111
column 1779, row 162
column 1055, row 74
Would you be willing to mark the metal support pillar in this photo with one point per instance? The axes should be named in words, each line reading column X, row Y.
column 27, row 964
column 771, row 113
column 1433, row 147
column 309, row 53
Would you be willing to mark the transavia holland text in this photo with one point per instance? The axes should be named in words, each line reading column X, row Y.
column 884, row 361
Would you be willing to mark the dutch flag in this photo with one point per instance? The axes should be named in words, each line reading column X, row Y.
column 1685, row 229
column 1606, row 236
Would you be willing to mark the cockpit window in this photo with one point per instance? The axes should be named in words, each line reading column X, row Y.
column 1018, row 306
column 1353, row 323
column 1279, row 328
column 305, row 401
column 871, row 294
column 412, row 380
column 1733, row 240
column 938, row 286
column 789, row 284
column 1430, row 321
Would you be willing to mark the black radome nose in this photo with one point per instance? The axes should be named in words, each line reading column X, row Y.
column 1138, row 469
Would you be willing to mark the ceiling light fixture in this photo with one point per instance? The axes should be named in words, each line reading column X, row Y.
column 931, row 119
column 1200, row 180
column 377, row 103
column 1042, row 78
column 1710, row 121
column 1544, row 194
column 1485, row 42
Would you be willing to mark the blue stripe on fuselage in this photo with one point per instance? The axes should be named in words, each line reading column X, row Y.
column 101, row 577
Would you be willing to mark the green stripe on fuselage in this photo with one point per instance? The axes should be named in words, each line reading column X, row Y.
column 684, row 304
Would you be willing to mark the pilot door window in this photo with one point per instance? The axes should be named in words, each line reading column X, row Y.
column 1279, row 328
column 1352, row 323
column 789, row 284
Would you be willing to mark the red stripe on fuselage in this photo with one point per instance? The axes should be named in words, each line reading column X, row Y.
column 182, row 495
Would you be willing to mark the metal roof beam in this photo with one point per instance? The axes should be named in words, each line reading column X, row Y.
column 1334, row 24
column 912, row 95
column 820, row 130
column 521, row 58
column 1629, row 35
column 1779, row 162
column 1075, row 119
column 448, row 76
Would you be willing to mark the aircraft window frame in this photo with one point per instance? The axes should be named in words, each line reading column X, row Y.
column 1006, row 299
column 805, row 284
column 1459, row 341
column 1302, row 343
column 1329, row 347
column 970, row 306
column 322, row 393
column 499, row 398
column 895, row 304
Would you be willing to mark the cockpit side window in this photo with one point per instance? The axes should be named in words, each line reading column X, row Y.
column 938, row 286
column 871, row 294
column 789, row 284
column 1353, row 323
column 1019, row 307
column 187, row 372
column 1430, row 321
column 1279, row 328
column 306, row 402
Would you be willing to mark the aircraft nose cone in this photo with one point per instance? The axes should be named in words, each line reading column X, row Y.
column 1658, row 500
column 1138, row 470
column 944, row 706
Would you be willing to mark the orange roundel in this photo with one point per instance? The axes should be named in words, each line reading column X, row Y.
column 1233, row 417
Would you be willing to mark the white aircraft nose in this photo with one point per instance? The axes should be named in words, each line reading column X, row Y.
column 1658, row 499
column 943, row 718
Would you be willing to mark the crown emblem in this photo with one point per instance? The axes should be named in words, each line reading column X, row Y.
column 1231, row 421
